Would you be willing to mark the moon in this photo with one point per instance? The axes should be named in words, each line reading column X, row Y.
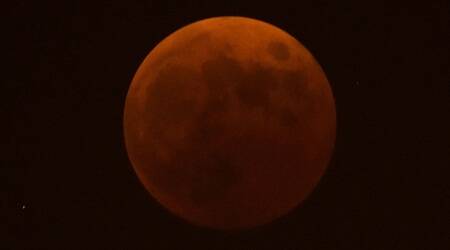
column 229, row 123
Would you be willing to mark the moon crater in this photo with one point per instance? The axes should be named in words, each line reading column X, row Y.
column 278, row 50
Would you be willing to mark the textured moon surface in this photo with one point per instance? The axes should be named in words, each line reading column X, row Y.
column 229, row 123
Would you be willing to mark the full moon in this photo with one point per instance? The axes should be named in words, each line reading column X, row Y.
column 229, row 123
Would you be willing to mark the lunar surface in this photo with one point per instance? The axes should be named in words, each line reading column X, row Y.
column 229, row 123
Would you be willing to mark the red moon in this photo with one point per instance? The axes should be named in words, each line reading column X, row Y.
column 229, row 123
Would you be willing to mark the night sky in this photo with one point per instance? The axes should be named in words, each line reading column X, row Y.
column 66, row 179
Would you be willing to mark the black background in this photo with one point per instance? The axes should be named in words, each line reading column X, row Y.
column 69, row 184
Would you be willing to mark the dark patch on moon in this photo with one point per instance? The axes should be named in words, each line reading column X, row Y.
column 221, row 72
column 254, row 89
column 295, row 83
column 170, row 96
column 213, row 178
column 288, row 118
column 224, row 77
column 196, row 169
column 198, row 172
column 201, row 169
column 201, row 39
column 278, row 50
